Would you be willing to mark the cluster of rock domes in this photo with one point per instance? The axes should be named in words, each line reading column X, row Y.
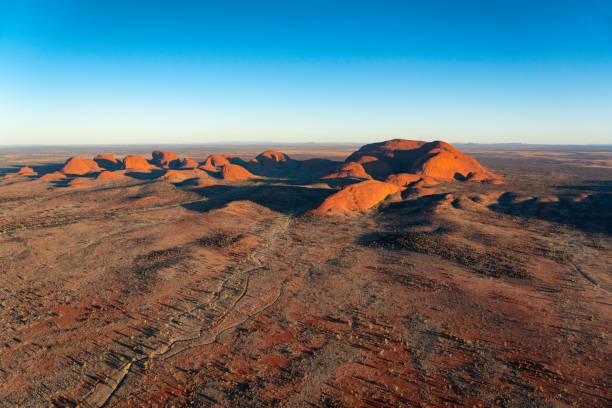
column 396, row 165
column 107, row 166
column 379, row 169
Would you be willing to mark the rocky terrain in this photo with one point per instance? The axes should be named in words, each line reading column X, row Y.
column 401, row 273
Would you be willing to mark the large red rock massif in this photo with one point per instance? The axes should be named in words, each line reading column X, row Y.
column 438, row 160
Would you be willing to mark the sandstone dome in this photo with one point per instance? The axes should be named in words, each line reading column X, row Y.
column 235, row 172
column 271, row 158
column 438, row 160
column 78, row 166
column 56, row 175
column 165, row 159
column 27, row 171
column 356, row 197
column 188, row 163
column 177, row 176
column 135, row 161
column 214, row 161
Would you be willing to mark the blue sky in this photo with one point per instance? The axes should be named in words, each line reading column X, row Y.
column 298, row 71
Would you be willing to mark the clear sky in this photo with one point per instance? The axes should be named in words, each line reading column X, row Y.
column 104, row 72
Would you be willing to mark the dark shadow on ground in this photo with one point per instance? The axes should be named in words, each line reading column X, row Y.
column 153, row 174
column 591, row 185
column 285, row 199
column 47, row 168
column 591, row 214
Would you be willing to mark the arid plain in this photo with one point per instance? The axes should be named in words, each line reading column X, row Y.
column 399, row 274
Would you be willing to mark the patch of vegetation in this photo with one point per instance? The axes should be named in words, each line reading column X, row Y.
column 219, row 240
column 488, row 263
column 149, row 263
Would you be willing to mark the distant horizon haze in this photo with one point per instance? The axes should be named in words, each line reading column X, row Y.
column 186, row 72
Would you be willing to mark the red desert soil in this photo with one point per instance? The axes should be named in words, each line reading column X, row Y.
column 134, row 161
column 235, row 172
column 356, row 197
column 165, row 159
column 77, row 166
column 208, row 292
column 79, row 181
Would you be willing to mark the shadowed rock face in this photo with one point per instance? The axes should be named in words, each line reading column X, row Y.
column 165, row 159
column 77, row 166
column 356, row 197
column 438, row 160
column 235, row 172
column 134, row 161
column 317, row 164
column 107, row 161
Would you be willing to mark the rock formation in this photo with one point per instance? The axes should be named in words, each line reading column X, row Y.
column 78, row 166
column 356, row 197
